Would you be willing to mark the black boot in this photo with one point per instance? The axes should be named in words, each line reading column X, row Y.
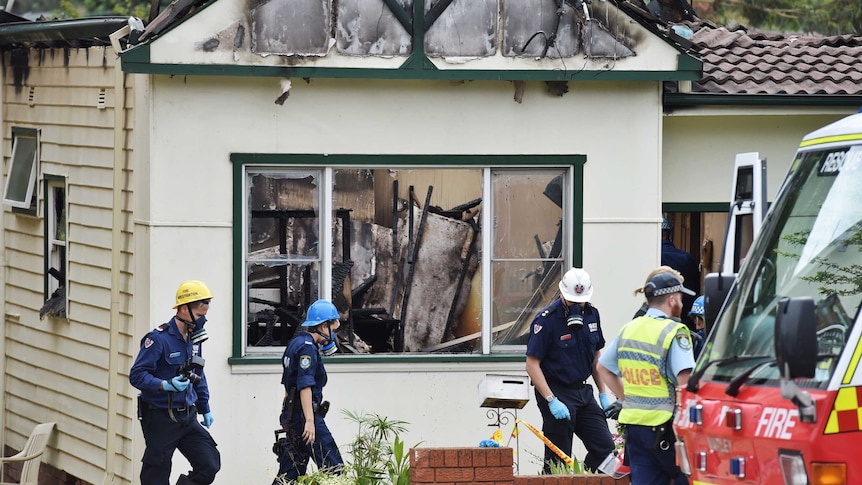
column 184, row 480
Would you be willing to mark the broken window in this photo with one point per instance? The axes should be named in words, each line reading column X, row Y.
column 55, row 247
column 20, row 189
column 399, row 252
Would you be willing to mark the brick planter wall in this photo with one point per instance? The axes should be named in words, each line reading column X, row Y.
column 485, row 466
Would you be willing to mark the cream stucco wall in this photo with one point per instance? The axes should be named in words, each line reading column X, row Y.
column 700, row 147
column 198, row 122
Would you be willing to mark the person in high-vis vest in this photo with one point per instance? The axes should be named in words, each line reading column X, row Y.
column 644, row 364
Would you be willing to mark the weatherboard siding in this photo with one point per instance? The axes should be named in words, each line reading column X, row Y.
column 57, row 368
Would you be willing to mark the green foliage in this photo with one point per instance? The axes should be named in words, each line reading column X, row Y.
column 827, row 17
column 832, row 278
column 374, row 451
column 399, row 466
column 379, row 456
column 560, row 468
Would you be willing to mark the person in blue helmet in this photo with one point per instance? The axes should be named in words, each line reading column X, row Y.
column 169, row 372
column 698, row 336
column 562, row 352
column 681, row 261
column 302, row 417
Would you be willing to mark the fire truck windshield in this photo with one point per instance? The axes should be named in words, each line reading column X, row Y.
column 810, row 245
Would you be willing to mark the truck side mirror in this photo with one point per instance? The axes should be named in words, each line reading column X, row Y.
column 716, row 286
column 796, row 337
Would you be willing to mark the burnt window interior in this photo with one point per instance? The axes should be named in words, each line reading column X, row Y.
column 400, row 254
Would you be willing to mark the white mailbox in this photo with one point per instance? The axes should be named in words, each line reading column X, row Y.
column 501, row 391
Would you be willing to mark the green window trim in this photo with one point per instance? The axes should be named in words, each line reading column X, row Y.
column 241, row 160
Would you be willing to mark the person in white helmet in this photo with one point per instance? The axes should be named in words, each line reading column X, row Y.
column 562, row 353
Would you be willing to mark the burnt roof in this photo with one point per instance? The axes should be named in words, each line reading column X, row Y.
column 84, row 32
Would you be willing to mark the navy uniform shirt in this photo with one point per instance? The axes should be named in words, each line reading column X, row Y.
column 684, row 263
column 162, row 353
column 303, row 366
column 566, row 355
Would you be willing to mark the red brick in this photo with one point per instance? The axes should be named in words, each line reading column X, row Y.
column 436, row 458
column 626, row 480
column 480, row 457
column 522, row 480
column 422, row 475
column 493, row 457
column 507, row 457
column 450, row 457
column 454, row 475
column 465, row 457
column 493, row 474
column 420, row 458
column 594, row 479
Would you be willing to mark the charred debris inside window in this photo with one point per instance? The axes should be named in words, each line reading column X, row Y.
column 406, row 255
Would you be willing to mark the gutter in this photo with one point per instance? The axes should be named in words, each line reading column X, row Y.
column 75, row 31
column 685, row 100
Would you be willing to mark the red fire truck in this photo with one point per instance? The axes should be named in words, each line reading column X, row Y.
column 776, row 395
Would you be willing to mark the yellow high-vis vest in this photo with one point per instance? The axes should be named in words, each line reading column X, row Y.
column 642, row 352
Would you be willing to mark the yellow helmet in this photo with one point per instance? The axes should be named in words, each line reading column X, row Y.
column 191, row 291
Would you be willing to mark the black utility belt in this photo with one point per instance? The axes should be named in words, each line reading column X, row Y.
column 560, row 385
column 184, row 409
column 319, row 409
column 664, row 435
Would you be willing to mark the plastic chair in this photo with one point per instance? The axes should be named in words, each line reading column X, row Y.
column 31, row 455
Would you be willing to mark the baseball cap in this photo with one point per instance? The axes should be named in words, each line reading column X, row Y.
column 665, row 284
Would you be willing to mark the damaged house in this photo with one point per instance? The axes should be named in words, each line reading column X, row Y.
column 431, row 167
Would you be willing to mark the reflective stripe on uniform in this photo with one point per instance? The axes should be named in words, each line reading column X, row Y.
column 642, row 355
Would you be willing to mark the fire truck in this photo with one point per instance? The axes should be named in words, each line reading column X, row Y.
column 776, row 395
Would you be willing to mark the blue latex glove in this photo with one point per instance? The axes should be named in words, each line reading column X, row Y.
column 559, row 410
column 489, row 444
column 604, row 401
column 177, row 384
column 208, row 419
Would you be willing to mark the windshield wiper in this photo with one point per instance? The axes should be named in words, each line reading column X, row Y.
column 694, row 380
column 738, row 381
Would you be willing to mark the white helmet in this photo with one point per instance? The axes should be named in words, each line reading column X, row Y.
column 576, row 286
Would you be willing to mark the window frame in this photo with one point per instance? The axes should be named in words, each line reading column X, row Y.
column 29, row 204
column 572, row 163
column 50, row 223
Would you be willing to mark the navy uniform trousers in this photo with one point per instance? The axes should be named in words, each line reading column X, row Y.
column 651, row 465
column 294, row 456
column 163, row 436
column 588, row 423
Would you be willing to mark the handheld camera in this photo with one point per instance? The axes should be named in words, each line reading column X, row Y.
column 189, row 367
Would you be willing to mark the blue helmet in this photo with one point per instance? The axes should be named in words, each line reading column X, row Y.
column 319, row 312
column 665, row 225
column 697, row 307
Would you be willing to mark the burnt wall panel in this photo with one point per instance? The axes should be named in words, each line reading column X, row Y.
column 537, row 19
column 291, row 27
column 600, row 43
column 369, row 28
column 467, row 28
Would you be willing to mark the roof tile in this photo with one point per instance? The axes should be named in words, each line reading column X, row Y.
column 740, row 61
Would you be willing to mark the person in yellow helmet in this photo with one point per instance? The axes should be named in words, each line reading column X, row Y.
column 650, row 356
column 169, row 372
